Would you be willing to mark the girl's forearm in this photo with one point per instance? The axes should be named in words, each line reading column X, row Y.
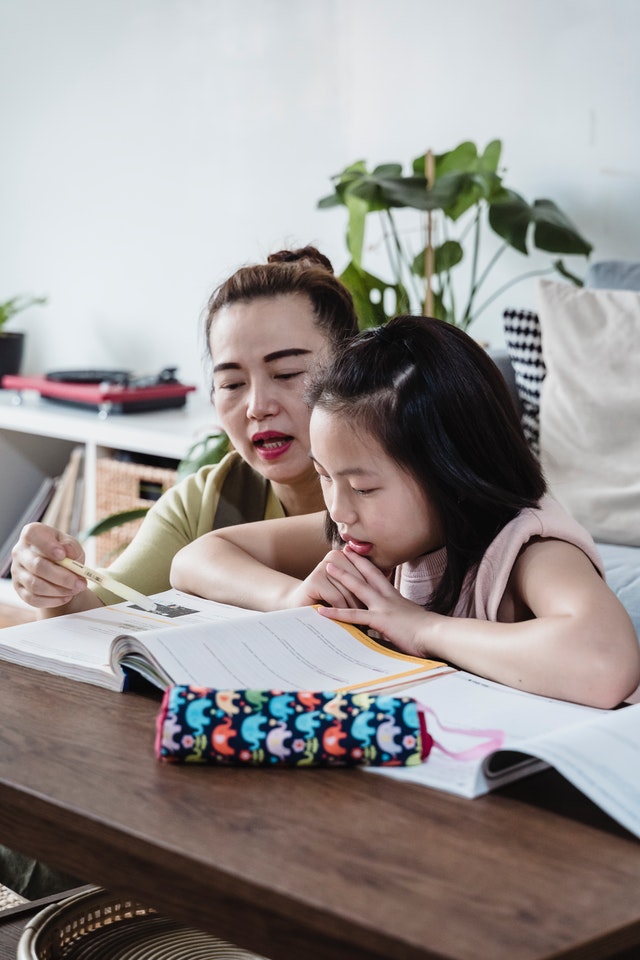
column 553, row 656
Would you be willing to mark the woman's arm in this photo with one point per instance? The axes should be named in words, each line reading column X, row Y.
column 260, row 566
column 577, row 644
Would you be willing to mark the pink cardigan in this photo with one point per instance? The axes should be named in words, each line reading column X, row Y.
column 484, row 586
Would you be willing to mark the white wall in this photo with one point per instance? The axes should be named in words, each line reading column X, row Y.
column 149, row 147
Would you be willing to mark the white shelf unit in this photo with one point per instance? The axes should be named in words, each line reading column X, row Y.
column 37, row 436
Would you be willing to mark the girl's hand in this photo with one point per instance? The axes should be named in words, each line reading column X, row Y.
column 37, row 578
column 379, row 606
column 325, row 584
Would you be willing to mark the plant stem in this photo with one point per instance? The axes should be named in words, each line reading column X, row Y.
column 447, row 290
column 393, row 249
column 511, row 283
column 466, row 316
column 403, row 262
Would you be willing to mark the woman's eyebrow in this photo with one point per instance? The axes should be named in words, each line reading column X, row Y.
column 290, row 352
column 269, row 358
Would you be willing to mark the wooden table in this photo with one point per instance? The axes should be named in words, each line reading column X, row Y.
column 309, row 864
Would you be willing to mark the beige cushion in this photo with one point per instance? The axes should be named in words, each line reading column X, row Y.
column 590, row 406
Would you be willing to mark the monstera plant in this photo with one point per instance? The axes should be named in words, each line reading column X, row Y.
column 457, row 198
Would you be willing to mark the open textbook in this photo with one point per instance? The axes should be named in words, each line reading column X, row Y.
column 487, row 735
column 201, row 642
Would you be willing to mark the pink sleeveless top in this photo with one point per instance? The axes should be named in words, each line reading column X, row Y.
column 484, row 586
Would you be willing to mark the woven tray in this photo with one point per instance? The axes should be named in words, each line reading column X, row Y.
column 101, row 926
column 121, row 486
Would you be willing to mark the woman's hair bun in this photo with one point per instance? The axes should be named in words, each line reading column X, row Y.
column 305, row 256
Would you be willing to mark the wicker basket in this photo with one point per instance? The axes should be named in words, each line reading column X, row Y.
column 9, row 898
column 120, row 486
column 101, row 926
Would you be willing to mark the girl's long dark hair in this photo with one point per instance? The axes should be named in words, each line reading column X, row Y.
column 439, row 406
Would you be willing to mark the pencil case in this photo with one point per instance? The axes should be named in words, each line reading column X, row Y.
column 266, row 728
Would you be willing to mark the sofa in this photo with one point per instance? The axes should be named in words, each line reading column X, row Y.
column 572, row 366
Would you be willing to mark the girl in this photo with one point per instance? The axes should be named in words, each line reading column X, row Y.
column 440, row 535
column 265, row 325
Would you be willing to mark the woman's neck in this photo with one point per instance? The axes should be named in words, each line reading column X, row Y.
column 300, row 498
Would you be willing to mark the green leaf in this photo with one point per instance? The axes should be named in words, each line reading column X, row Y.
column 381, row 193
column 462, row 177
column 333, row 200
column 407, row 192
column 341, row 182
column 448, row 255
column 365, row 188
column 114, row 520
column 357, row 209
column 9, row 308
column 465, row 190
column 462, row 159
column 490, row 159
column 209, row 449
column 509, row 217
column 370, row 310
column 388, row 170
column 554, row 232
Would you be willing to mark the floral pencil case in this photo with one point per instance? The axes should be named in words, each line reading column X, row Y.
column 298, row 729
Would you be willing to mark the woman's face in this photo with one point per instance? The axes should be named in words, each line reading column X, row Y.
column 261, row 353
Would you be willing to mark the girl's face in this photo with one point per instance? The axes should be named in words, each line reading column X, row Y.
column 379, row 509
column 261, row 353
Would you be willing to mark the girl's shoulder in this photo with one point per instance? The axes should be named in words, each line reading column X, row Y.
column 546, row 521
column 549, row 520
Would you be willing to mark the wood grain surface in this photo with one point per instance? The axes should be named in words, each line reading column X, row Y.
column 313, row 864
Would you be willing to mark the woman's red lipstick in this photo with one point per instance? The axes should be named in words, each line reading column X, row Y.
column 270, row 444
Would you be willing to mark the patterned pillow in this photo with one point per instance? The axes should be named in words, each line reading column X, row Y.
column 524, row 345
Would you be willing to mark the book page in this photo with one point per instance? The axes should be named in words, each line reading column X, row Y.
column 470, row 718
column 288, row 650
column 602, row 759
column 78, row 645
column 189, row 643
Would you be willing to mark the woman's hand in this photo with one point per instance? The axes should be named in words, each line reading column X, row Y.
column 375, row 603
column 39, row 580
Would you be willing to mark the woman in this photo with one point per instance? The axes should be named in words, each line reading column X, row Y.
column 265, row 327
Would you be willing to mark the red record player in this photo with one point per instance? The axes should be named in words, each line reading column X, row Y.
column 107, row 391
